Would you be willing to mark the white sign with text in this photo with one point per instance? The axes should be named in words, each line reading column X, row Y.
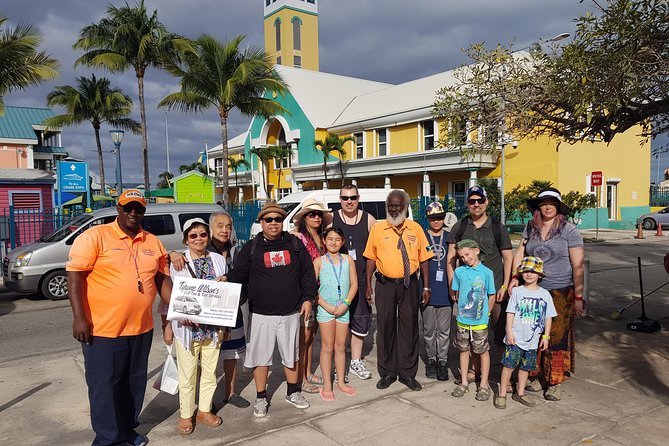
column 204, row 301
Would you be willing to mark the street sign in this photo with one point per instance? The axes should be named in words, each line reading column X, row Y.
column 596, row 178
column 73, row 176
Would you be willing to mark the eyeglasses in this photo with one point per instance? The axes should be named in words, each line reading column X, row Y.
column 193, row 236
column 349, row 197
column 476, row 200
column 314, row 214
column 139, row 209
column 272, row 219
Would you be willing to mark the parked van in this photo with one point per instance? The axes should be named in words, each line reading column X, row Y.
column 371, row 200
column 40, row 266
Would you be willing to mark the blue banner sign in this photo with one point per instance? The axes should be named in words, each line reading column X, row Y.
column 73, row 176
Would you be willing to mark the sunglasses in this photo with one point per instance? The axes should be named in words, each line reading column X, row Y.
column 350, row 197
column 476, row 200
column 128, row 208
column 272, row 219
column 435, row 218
column 314, row 214
column 193, row 236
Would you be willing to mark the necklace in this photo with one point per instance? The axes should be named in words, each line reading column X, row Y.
column 356, row 219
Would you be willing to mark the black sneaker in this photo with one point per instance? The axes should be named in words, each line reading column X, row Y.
column 431, row 369
column 385, row 382
column 442, row 371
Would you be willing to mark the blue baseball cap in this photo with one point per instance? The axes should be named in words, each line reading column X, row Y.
column 477, row 190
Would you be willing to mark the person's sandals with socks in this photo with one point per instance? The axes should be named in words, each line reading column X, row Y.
column 524, row 400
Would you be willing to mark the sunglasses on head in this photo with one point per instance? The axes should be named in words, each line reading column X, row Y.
column 193, row 236
column 314, row 214
column 128, row 208
column 272, row 219
column 350, row 197
column 476, row 200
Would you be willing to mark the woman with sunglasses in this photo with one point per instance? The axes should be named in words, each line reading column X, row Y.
column 309, row 229
column 196, row 343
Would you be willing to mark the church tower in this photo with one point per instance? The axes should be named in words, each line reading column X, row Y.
column 291, row 32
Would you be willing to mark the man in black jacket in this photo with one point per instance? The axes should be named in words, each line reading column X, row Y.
column 281, row 288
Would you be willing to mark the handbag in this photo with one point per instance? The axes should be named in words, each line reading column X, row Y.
column 169, row 381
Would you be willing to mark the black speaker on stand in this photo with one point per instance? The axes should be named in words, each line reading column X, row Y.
column 643, row 323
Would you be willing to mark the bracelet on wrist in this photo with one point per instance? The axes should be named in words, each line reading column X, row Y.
column 427, row 289
column 545, row 337
column 347, row 302
column 577, row 297
column 504, row 287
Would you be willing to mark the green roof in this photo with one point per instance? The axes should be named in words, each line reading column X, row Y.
column 17, row 122
column 169, row 192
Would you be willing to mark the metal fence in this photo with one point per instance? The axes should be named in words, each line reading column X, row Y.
column 659, row 196
column 244, row 215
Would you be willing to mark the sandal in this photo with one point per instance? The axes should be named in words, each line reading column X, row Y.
column 499, row 402
column 307, row 387
column 185, row 426
column 524, row 400
column 208, row 419
column 460, row 390
column 315, row 379
column 534, row 386
column 553, row 393
column 326, row 396
column 348, row 390
column 483, row 394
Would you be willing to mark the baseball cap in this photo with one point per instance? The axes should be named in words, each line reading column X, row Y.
column 130, row 195
column 531, row 264
column 190, row 223
column 435, row 210
column 477, row 190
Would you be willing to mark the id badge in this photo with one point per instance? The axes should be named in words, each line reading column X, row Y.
column 440, row 275
column 351, row 252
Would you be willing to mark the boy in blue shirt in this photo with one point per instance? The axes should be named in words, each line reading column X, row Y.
column 438, row 312
column 474, row 287
column 528, row 315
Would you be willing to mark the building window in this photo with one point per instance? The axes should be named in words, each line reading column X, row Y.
column 282, row 163
column 297, row 35
column 297, row 61
column 428, row 135
column 311, row 1
column 283, row 192
column 359, row 146
column 277, row 34
column 218, row 167
column 382, row 142
column 268, row 2
column 278, row 60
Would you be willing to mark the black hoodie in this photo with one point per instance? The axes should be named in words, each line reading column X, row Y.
column 279, row 278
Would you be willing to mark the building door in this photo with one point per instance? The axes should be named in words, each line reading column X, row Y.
column 612, row 200
column 459, row 191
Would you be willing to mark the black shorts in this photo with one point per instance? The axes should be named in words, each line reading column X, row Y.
column 360, row 313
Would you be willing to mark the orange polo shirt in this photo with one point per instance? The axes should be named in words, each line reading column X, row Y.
column 112, row 301
column 382, row 247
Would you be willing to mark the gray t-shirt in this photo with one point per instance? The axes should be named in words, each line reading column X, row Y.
column 555, row 254
column 490, row 253
column 531, row 309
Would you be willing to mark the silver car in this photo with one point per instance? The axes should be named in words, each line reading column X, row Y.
column 40, row 266
column 652, row 219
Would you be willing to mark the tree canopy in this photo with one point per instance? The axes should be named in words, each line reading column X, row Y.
column 610, row 78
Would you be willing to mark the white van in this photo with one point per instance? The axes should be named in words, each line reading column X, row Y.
column 371, row 200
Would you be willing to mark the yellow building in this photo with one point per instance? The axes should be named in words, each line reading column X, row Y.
column 395, row 140
column 291, row 32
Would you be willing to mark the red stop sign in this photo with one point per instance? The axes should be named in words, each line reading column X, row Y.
column 596, row 178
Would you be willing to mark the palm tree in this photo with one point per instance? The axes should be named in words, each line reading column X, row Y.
column 265, row 155
column 333, row 144
column 236, row 164
column 197, row 165
column 220, row 75
column 164, row 182
column 95, row 101
column 128, row 37
column 21, row 65
column 279, row 153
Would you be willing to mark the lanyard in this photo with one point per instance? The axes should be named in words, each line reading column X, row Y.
column 140, row 288
column 441, row 245
column 336, row 273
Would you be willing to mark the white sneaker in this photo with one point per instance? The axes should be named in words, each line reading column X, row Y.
column 334, row 377
column 297, row 400
column 260, row 407
column 358, row 369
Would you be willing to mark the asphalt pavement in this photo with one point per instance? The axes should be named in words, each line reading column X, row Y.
column 619, row 394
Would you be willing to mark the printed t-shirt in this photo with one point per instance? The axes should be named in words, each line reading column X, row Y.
column 112, row 301
column 531, row 308
column 440, row 294
column 555, row 254
column 474, row 285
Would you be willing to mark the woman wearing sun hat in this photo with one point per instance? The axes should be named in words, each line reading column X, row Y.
column 559, row 244
column 309, row 229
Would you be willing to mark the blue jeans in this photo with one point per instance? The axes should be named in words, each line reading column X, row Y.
column 116, row 377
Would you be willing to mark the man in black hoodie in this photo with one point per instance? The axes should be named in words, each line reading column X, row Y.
column 281, row 288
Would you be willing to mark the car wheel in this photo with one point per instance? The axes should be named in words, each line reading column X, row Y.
column 648, row 223
column 54, row 285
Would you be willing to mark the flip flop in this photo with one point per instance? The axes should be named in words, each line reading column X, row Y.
column 315, row 379
column 347, row 390
column 326, row 396
column 185, row 426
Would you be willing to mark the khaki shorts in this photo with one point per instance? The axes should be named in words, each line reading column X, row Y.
column 267, row 331
column 467, row 339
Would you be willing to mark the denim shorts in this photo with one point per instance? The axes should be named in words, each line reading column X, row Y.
column 515, row 356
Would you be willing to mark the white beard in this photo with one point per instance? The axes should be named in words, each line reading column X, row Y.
column 397, row 221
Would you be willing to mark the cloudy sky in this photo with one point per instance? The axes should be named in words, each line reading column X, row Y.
column 390, row 41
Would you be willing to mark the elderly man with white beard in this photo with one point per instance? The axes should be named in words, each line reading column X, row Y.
column 395, row 251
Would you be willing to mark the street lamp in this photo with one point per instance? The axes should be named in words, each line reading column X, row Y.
column 117, row 138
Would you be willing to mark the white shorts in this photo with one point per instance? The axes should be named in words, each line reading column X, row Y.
column 267, row 331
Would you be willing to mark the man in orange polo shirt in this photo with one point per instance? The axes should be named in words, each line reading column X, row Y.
column 114, row 272
column 396, row 250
